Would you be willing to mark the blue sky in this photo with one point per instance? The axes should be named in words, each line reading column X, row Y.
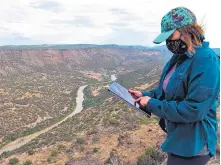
column 95, row 22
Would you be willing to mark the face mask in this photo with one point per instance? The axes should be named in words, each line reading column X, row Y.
column 176, row 46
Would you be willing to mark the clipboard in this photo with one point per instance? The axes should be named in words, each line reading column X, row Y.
column 123, row 94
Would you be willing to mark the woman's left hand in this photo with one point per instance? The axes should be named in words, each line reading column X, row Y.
column 143, row 100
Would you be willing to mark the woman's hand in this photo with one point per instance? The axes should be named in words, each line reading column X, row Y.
column 135, row 94
column 143, row 100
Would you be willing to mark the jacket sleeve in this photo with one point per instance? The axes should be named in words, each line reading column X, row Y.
column 151, row 93
column 203, row 89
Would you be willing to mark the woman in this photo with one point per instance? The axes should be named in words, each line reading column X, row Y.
column 187, row 95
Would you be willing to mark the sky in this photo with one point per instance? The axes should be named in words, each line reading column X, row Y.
column 122, row 22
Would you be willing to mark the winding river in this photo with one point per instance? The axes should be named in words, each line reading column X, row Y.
column 24, row 140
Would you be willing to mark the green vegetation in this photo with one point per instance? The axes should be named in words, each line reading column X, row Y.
column 27, row 162
column 115, row 114
column 36, row 100
column 151, row 156
column 5, row 154
column 80, row 140
column 61, row 147
column 140, row 76
column 95, row 150
column 31, row 152
column 49, row 159
column 90, row 100
column 82, row 148
column 114, row 122
column 95, row 139
column 149, row 151
column 13, row 161
column 145, row 120
column 54, row 153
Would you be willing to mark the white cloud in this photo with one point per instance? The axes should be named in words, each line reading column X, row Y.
column 96, row 22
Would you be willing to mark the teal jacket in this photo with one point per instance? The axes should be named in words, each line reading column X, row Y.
column 190, row 103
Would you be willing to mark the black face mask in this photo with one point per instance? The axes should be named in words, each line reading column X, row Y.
column 177, row 46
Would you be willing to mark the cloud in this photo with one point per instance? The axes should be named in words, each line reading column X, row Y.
column 128, row 36
column 14, row 38
column 48, row 5
column 97, row 22
column 77, row 21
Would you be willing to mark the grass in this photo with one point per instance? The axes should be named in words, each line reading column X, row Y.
column 114, row 122
column 146, row 120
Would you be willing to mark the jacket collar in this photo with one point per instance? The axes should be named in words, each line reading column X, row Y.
column 204, row 44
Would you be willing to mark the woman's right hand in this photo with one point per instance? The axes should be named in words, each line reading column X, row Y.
column 135, row 94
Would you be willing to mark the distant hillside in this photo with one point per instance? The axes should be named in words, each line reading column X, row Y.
column 17, row 61
column 69, row 46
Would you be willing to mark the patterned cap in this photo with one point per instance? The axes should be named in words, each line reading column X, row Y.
column 174, row 19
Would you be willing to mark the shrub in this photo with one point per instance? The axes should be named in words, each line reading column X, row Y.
column 81, row 148
column 80, row 140
column 95, row 150
column 151, row 156
column 13, row 161
column 54, row 153
column 49, row 159
column 149, row 151
column 27, row 162
column 69, row 150
column 5, row 154
column 61, row 147
column 31, row 152
column 95, row 139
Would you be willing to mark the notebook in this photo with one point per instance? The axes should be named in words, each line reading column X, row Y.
column 123, row 94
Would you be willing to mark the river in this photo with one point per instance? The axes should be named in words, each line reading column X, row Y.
column 24, row 140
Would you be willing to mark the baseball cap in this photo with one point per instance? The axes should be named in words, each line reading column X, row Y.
column 174, row 19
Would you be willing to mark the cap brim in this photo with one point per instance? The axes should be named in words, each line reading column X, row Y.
column 163, row 36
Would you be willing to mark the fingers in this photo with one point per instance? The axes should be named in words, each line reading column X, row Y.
column 130, row 91
column 135, row 97
column 137, row 100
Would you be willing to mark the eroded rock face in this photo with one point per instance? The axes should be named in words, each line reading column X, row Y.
column 32, row 60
